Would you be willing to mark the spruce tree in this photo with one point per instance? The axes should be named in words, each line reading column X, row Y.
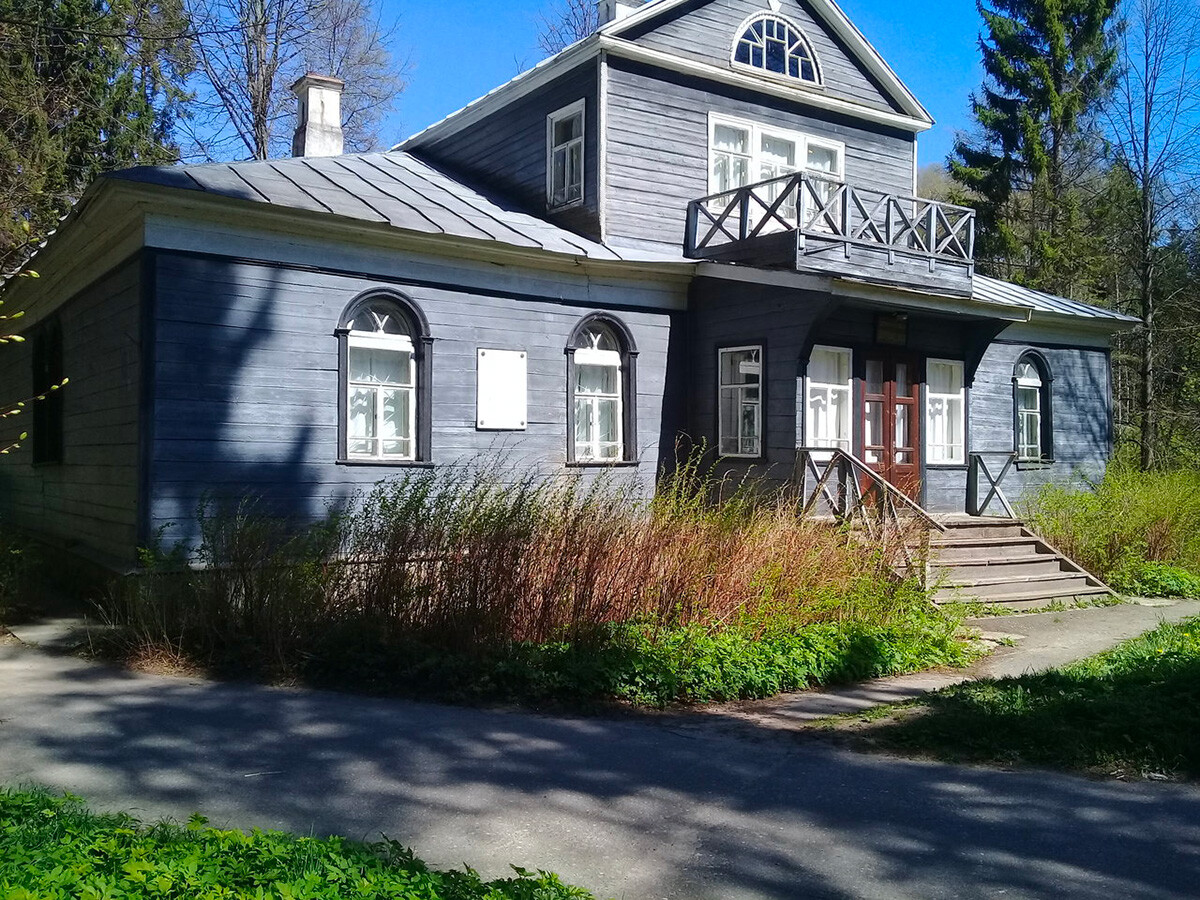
column 86, row 86
column 1048, row 65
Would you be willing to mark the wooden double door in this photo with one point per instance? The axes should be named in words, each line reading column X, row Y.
column 891, row 418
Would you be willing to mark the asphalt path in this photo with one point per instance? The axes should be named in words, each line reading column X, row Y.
column 674, row 807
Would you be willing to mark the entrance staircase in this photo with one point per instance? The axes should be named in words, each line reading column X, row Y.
column 1001, row 561
column 966, row 558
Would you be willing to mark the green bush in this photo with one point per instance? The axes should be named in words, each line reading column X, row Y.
column 1148, row 579
column 18, row 559
column 1130, row 519
column 52, row 848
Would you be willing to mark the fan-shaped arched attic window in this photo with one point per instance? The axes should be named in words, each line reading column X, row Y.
column 773, row 44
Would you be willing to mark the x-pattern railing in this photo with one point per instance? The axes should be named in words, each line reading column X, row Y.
column 822, row 207
column 855, row 494
column 980, row 474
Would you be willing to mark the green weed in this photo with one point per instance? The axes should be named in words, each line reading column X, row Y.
column 52, row 848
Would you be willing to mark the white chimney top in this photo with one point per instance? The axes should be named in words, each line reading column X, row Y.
column 319, row 124
column 612, row 10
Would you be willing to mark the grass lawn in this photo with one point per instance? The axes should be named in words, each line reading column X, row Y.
column 1133, row 711
column 52, row 847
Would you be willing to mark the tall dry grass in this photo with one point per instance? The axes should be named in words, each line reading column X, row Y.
column 475, row 557
column 1129, row 517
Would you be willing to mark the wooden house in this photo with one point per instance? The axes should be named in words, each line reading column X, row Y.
column 700, row 221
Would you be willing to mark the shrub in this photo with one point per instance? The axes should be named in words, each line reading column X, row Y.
column 1148, row 579
column 18, row 559
column 1130, row 518
column 477, row 581
column 52, row 847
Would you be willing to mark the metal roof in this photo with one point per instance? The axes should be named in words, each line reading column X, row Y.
column 992, row 290
column 391, row 188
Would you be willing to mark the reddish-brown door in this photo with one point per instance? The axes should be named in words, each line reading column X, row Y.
column 891, row 420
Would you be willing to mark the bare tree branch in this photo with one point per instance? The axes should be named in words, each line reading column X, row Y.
column 566, row 21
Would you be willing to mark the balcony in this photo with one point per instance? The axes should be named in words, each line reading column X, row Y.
column 811, row 223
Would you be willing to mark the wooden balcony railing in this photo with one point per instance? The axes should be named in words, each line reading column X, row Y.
column 832, row 212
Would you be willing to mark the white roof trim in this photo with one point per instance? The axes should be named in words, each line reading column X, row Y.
column 841, row 25
column 804, row 94
column 514, row 89
column 915, row 117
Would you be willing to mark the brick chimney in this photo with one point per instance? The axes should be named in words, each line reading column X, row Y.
column 319, row 123
column 611, row 10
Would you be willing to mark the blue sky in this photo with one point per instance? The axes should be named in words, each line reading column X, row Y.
column 461, row 49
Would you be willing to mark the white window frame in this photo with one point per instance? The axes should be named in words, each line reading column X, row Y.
column 394, row 343
column 1037, row 385
column 741, row 389
column 811, row 386
column 609, row 359
column 758, row 131
column 739, row 34
column 578, row 108
column 958, row 457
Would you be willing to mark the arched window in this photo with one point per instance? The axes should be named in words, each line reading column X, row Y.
column 773, row 44
column 384, row 364
column 1033, row 410
column 601, row 378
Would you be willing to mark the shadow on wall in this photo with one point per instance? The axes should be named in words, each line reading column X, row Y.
column 243, row 403
column 625, row 807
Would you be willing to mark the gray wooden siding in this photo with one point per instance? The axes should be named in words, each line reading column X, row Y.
column 1082, row 401
column 657, row 148
column 90, row 501
column 247, row 384
column 728, row 314
column 506, row 151
column 707, row 31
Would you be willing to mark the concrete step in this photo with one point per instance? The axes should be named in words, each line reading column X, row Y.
column 945, row 551
column 1031, row 587
column 966, row 570
column 983, row 529
column 1024, row 600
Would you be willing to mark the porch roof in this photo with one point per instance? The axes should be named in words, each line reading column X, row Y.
column 993, row 290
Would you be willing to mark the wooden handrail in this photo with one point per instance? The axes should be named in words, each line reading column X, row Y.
column 861, row 468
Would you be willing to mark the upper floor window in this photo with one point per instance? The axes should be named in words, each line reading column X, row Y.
column 743, row 153
column 564, row 156
column 1031, row 387
column 385, row 378
column 773, row 44
column 601, row 379
column 739, row 401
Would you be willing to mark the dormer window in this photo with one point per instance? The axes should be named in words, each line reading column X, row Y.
column 564, row 156
column 773, row 44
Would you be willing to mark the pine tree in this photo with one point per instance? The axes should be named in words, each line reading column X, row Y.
column 1048, row 65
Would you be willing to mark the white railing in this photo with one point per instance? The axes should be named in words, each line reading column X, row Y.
column 833, row 212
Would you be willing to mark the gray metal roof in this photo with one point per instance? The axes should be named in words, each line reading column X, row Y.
column 392, row 188
column 992, row 290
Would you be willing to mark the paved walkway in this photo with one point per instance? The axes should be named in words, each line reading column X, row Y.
column 1025, row 643
column 630, row 808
